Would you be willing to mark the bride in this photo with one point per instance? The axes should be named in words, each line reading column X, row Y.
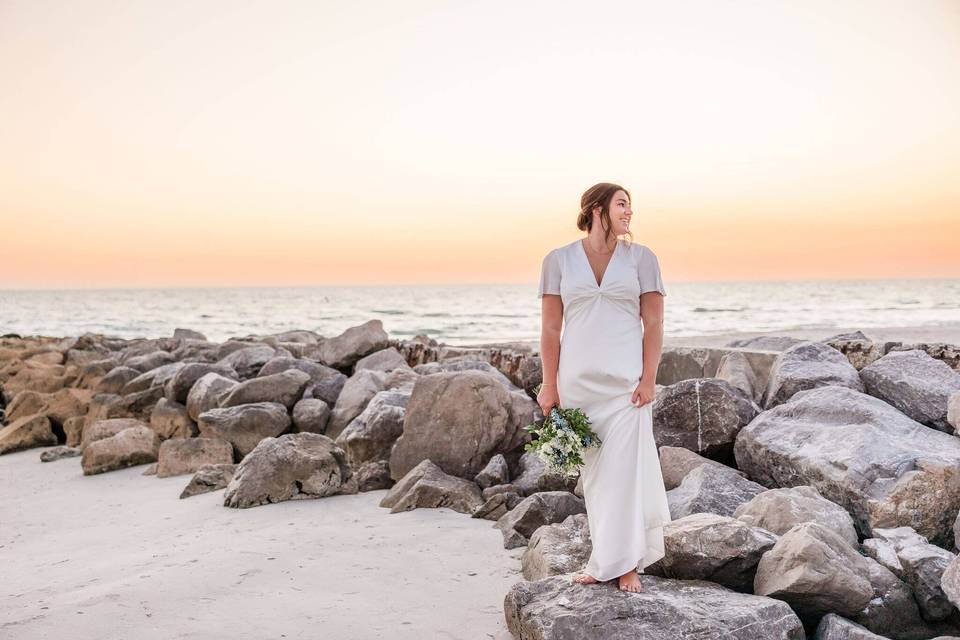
column 605, row 296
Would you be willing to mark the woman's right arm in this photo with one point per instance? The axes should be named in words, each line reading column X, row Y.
column 550, row 327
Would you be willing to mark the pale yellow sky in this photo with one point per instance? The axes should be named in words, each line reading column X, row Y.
column 249, row 143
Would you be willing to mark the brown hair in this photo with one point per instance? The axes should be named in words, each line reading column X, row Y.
column 599, row 194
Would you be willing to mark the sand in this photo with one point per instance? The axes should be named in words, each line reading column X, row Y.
column 119, row 555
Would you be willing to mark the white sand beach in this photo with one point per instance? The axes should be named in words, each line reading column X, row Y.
column 119, row 555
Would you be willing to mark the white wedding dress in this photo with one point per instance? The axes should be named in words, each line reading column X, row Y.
column 601, row 360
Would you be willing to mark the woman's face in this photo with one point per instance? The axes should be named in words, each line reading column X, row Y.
column 620, row 212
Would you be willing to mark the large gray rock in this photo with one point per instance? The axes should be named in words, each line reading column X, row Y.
column 245, row 425
column 703, row 415
column 311, row 414
column 536, row 476
column 536, row 511
column 735, row 368
column 130, row 447
column 284, row 388
column 777, row 510
column 353, row 398
column 291, row 467
column 496, row 472
column 427, row 486
column 148, row 361
column 152, row 378
column 27, row 432
column 706, row 546
column 677, row 462
column 325, row 382
column 556, row 608
column 859, row 452
column 206, row 392
column 557, row 548
column 459, row 420
column 179, row 456
column 834, row 627
column 711, row 489
column 808, row 365
column 107, row 428
column 914, row 383
column 950, row 582
column 248, row 360
column 116, row 379
column 344, row 350
column 371, row 435
column 209, row 477
column 953, row 411
column 171, row 420
column 816, row 571
column 178, row 387
column 383, row 360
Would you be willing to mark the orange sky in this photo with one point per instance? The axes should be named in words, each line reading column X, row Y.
column 251, row 143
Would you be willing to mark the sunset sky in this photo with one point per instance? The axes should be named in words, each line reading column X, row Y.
column 227, row 143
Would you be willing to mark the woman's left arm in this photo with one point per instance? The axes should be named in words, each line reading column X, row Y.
column 651, row 313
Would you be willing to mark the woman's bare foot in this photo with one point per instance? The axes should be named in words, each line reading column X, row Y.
column 630, row 581
column 583, row 578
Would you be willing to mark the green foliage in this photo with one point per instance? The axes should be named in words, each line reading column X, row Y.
column 562, row 438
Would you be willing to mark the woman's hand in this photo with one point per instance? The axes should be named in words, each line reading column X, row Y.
column 548, row 398
column 645, row 392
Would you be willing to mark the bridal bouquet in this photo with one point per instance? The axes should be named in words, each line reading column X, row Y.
column 561, row 439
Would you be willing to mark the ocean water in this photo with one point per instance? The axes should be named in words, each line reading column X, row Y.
column 470, row 314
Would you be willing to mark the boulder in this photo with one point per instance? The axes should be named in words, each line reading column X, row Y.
column 284, row 388
column 209, row 477
column 58, row 453
column 711, row 489
column 178, row 387
column 178, row 456
column 27, row 432
column 371, row 435
column 703, row 415
column 459, row 420
column 916, row 384
column 344, row 350
column 706, row 546
column 536, row 476
column 859, row 452
column 131, row 447
column 311, row 415
column 427, row 486
column 248, row 360
column 816, row 572
column 206, row 392
column 152, row 378
column 558, row 548
column 777, row 510
column 291, row 467
column 353, row 398
column 808, row 365
column 666, row 609
column 535, row 511
column 147, row 361
column 496, row 472
column 171, row 420
column 677, row 462
column 497, row 505
column 735, row 369
column 383, row 360
column 245, row 425
column 108, row 428
column 116, row 379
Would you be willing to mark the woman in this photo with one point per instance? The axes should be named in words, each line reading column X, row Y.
column 607, row 295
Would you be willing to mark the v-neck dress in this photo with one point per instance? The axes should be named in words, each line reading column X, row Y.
column 601, row 361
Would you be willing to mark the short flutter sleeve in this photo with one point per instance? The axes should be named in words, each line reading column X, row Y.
column 648, row 272
column 549, row 275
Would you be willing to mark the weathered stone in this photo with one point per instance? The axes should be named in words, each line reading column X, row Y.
column 808, row 365
column 816, row 571
column 130, row 447
column 383, row 360
column 58, row 453
column 108, row 428
column 27, row 432
column 703, row 415
column 427, row 486
column 735, row 369
column 346, row 349
column 248, row 360
column 373, row 475
column 859, row 452
column 914, row 383
column 152, row 378
column 496, row 472
column 536, row 476
column 311, row 415
column 178, row 456
column 777, row 510
column 116, row 379
column 834, row 627
column 497, row 505
column 536, row 511
column 284, row 388
column 371, row 435
column 356, row 393
column 206, row 392
column 178, row 387
column 706, row 546
column 209, row 477
column 558, row 548
column 459, row 420
column 245, row 425
column 148, row 361
column 711, row 489
column 171, row 420
column 292, row 467
column 677, row 462
column 666, row 609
